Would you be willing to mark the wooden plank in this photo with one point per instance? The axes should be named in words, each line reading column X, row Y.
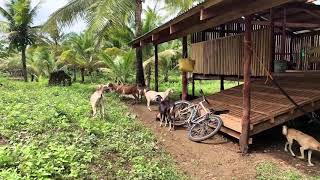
column 234, row 134
column 231, row 122
column 284, row 118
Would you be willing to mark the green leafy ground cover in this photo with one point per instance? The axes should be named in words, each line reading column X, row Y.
column 47, row 133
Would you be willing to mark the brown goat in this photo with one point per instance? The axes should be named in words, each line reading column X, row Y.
column 126, row 90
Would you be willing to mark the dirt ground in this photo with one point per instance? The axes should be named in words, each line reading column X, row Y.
column 218, row 158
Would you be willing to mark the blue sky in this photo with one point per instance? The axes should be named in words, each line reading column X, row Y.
column 49, row 6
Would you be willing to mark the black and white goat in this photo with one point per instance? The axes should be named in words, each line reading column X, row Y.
column 166, row 109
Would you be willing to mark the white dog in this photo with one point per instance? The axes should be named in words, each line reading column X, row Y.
column 97, row 101
column 152, row 96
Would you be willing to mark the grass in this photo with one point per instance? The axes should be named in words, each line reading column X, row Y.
column 208, row 86
column 47, row 133
column 270, row 171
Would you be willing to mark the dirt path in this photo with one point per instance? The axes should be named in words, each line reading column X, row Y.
column 217, row 158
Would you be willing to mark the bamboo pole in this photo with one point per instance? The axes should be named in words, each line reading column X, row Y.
column 184, row 74
column 156, row 68
column 244, row 138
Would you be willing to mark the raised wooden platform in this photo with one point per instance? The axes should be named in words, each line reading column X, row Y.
column 269, row 107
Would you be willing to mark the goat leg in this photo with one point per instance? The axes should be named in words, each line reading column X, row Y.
column 161, row 119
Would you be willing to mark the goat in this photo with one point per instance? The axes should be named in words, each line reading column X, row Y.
column 58, row 77
column 166, row 109
column 152, row 95
column 97, row 101
column 126, row 90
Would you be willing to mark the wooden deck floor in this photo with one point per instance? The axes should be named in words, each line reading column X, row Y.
column 269, row 107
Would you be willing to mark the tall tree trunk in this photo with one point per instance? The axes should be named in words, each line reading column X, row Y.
column 82, row 75
column 24, row 64
column 138, row 24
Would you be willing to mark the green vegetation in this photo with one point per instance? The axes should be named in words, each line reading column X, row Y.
column 48, row 133
column 270, row 171
column 208, row 87
column 19, row 17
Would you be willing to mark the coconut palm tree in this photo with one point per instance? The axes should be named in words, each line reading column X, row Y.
column 166, row 60
column 3, row 49
column 119, row 67
column 81, row 54
column 19, row 17
column 102, row 15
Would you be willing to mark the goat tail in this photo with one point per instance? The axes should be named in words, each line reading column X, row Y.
column 285, row 130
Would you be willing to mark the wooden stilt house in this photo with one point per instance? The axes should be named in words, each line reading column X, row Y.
column 247, row 39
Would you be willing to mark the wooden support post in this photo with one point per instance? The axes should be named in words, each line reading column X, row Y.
column 203, row 35
column 245, row 132
column 156, row 68
column 283, row 37
column 222, row 34
column 291, row 50
column 313, row 65
column 221, row 83
column 184, row 74
column 272, row 41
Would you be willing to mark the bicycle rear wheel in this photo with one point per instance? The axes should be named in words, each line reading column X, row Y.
column 182, row 112
column 205, row 128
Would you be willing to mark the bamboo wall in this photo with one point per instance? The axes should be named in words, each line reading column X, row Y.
column 305, row 43
column 224, row 56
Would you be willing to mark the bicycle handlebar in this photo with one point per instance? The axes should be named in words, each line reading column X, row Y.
column 204, row 97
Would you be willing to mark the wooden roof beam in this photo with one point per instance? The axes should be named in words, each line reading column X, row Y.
column 231, row 12
column 206, row 14
column 288, row 24
column 154, row 37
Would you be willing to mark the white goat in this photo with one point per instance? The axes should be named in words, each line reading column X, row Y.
column 152, row 96
column 97, row 101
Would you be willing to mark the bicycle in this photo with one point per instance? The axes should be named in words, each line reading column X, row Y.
column 200, row 126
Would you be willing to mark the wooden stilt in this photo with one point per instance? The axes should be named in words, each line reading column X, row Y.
column 184, row 74
column 245, row 132
column 156, row 69
column 222, row 34
column 221, row 83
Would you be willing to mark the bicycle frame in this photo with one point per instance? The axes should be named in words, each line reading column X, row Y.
column 195, row 108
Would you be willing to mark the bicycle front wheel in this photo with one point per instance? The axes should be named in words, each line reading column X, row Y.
column 205, row 128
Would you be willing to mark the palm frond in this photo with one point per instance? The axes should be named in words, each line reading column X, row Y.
column 69, row 13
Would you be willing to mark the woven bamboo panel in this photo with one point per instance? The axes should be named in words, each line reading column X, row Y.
column 224, row 56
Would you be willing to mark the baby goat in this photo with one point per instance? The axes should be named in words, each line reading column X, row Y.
column 97, row 101
column 152, row 95
column 166, row 109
